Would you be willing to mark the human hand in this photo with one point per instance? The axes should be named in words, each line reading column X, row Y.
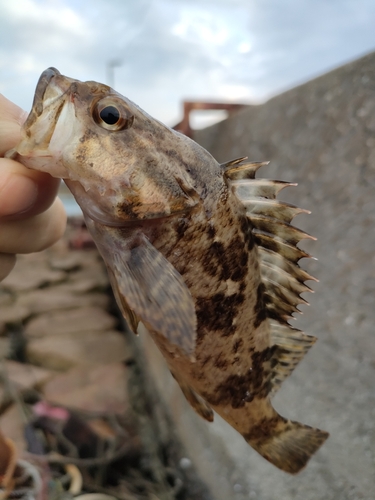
column 31, row 217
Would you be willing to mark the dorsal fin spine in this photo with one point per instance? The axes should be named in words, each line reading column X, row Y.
column 283, row 279
column 262, row 188
column 236, row 170
column 278, row 275
column 280, row 262
column 272, row 208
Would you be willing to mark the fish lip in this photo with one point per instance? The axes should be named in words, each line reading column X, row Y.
column 41, row 87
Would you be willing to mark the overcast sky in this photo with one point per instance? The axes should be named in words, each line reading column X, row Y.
column 170, row 50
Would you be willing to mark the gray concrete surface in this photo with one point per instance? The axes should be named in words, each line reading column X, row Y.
column 321, row 135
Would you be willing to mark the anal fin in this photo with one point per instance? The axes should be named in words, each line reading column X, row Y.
column 197, row 402
column 128, row 313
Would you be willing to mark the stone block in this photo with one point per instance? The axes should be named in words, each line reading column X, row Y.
column 14, row 313
column 91, row 278
column 21, row 377
column 31, row 272
column 98, row 388
column 56, row 323
column 25, row 376
column 69, row 261
column 61, row 297
column 63, row 352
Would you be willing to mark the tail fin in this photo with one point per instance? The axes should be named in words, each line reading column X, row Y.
column 288, row 445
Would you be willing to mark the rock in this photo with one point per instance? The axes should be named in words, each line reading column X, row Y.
column 66, row 259
column 5, row 347
column 60, row 297
column 63, row 352
column 14, row 313
column 89, row 279
column 31, row 272
column 85, row 319
column 12, row 426
column 25, row 376
column 100, row 389
column 21, row 377
column 6, row 297
column 68, row 262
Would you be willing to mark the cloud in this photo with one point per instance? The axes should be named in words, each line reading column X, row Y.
column 41, row 28
column 175, row 49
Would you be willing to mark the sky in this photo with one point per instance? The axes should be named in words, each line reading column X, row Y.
column 167, row 51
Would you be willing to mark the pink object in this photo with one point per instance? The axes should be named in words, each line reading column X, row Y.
column 44, row 409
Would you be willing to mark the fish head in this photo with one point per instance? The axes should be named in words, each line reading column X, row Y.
column 121, row 165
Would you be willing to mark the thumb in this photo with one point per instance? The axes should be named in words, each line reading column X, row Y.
column 24, row 192
column 11, row 119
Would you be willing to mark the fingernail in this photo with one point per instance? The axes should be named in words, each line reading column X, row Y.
column 17, row 195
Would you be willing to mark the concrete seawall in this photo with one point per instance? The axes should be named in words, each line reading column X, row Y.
column 321, row 135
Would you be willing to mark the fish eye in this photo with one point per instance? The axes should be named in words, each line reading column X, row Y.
column 112, row 115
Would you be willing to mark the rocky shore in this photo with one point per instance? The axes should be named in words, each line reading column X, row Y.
column 71, row 385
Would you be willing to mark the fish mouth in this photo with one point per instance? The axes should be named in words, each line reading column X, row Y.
column 24, row 151
column 41, row 87
column 49, row 97
column 49, row 100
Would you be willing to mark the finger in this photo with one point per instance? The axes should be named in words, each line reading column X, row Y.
column 11, row 119
column 7, row 262
column 24, row 192
column 34, row 234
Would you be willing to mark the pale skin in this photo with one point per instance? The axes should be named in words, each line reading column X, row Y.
column 32, row 218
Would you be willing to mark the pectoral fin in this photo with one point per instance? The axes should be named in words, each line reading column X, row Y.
column 149, row 289
column 130, row 316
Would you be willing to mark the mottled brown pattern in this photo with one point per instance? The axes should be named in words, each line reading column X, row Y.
column 237, row 345
column 260, row 306
column 217, row 313
column 247, row 232
column 235, row 391
column 262, row 362
column 183, row 254
column 263, row 428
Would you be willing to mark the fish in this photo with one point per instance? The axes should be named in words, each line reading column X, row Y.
column 203, row 254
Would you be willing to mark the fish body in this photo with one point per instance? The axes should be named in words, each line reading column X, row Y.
column 201, row 253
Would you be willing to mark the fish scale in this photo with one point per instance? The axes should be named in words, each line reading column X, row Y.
column 203, row 254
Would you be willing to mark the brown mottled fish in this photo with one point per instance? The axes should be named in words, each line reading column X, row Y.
column 202, row 254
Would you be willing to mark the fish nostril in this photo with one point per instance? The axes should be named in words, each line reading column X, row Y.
column 73, row 91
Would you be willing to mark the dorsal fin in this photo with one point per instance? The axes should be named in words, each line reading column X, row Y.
column 279, row 254
column 260, row 188
column 236, row 170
